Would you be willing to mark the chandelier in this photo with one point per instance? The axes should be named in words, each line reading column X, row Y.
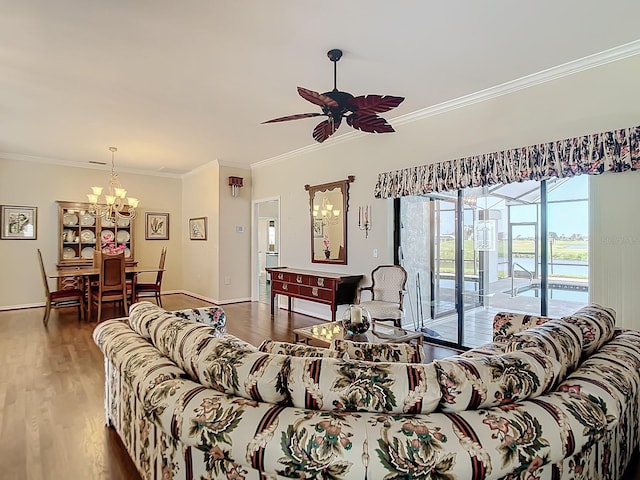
column 116, row 204
column 326, row 213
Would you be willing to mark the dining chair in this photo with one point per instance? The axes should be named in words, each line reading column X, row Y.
column 387, row 294
column 112, row 286
column 152, row 289
column 60, row 298
column 97, row 255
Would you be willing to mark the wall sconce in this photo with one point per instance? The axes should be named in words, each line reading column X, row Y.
column 364, row 222
column 235, row 183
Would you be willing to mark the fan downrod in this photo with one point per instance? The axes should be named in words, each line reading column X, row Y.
column 334, row 55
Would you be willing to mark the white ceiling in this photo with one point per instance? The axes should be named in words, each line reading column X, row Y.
column 176, row 84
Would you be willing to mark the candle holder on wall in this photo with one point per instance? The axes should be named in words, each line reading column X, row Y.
column 364, row 221
column 235, row 183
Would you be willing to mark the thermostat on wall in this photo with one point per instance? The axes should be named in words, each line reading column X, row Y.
column 239, row 228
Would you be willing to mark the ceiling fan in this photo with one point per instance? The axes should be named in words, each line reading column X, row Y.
column 360, row 112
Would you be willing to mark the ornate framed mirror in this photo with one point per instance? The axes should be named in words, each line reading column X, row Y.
column 328, row 207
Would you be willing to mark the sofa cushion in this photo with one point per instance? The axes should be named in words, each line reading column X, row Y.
column 211, row 316
column 178, row 338
column 506, row 324
column 478, row 382
column 297, row 349
column 348, row 385
column 597, row 324
column 556, row 338
column 174, row 336
column 379, row 352
column 230, row 365
column 226, row 363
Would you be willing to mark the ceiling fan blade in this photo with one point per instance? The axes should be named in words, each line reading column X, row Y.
column 369, row 123
column 325, row 129
column 317, row 98
column 294, row 117
column 370, row 104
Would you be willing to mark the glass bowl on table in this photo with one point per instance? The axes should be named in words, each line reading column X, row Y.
column 356, row 320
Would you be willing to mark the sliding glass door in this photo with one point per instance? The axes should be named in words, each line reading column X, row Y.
column 472, row 253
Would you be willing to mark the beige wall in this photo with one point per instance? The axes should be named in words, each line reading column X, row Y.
column 217, row 269
column 40, row 185
column 591, row 101
column 200, row 257
column 235, row 237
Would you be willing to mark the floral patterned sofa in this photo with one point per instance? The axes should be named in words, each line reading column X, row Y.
column 548, row 399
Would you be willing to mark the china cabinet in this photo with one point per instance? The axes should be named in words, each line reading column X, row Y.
column 79, row 233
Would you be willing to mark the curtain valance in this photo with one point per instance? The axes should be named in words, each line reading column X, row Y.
column 614, row 151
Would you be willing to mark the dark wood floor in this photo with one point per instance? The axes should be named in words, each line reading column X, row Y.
column 52, row 383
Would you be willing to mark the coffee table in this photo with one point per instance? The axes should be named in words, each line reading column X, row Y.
column 378, row 333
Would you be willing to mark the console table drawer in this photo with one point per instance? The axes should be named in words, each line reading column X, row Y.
column 285, row 287
column 316, row 293
column 283, row 277
column 322, row 282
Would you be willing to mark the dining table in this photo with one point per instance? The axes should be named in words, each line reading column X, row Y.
column 95, row 271
column 87, row 272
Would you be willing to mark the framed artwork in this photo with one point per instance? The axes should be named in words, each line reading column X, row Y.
column 157, row 226
column 318, row 229
column 19, row 223
column 198, row 228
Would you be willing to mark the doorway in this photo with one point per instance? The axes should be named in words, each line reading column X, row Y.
column 265, row 246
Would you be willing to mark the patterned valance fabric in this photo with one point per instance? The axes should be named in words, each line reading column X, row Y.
column 614, row 151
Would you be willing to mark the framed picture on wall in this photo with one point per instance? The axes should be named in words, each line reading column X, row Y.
column 19, row 223
column 198, row 228
column 157, row 226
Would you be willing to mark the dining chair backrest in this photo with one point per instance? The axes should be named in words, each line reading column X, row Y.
column 44, row 274
column 163, row 255
column 112, row 273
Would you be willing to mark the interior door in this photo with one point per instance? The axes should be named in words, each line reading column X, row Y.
column 266, row 246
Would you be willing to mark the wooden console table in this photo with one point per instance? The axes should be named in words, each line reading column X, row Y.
column 322, row 287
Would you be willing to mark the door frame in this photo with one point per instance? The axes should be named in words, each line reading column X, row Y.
column 255, row 260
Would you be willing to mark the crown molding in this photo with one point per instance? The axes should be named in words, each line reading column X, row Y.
column 19, row 157
column 554, row 73
column 550, row 74
column 332, row 141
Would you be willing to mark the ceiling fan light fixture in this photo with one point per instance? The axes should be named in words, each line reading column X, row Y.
column 360, row 112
